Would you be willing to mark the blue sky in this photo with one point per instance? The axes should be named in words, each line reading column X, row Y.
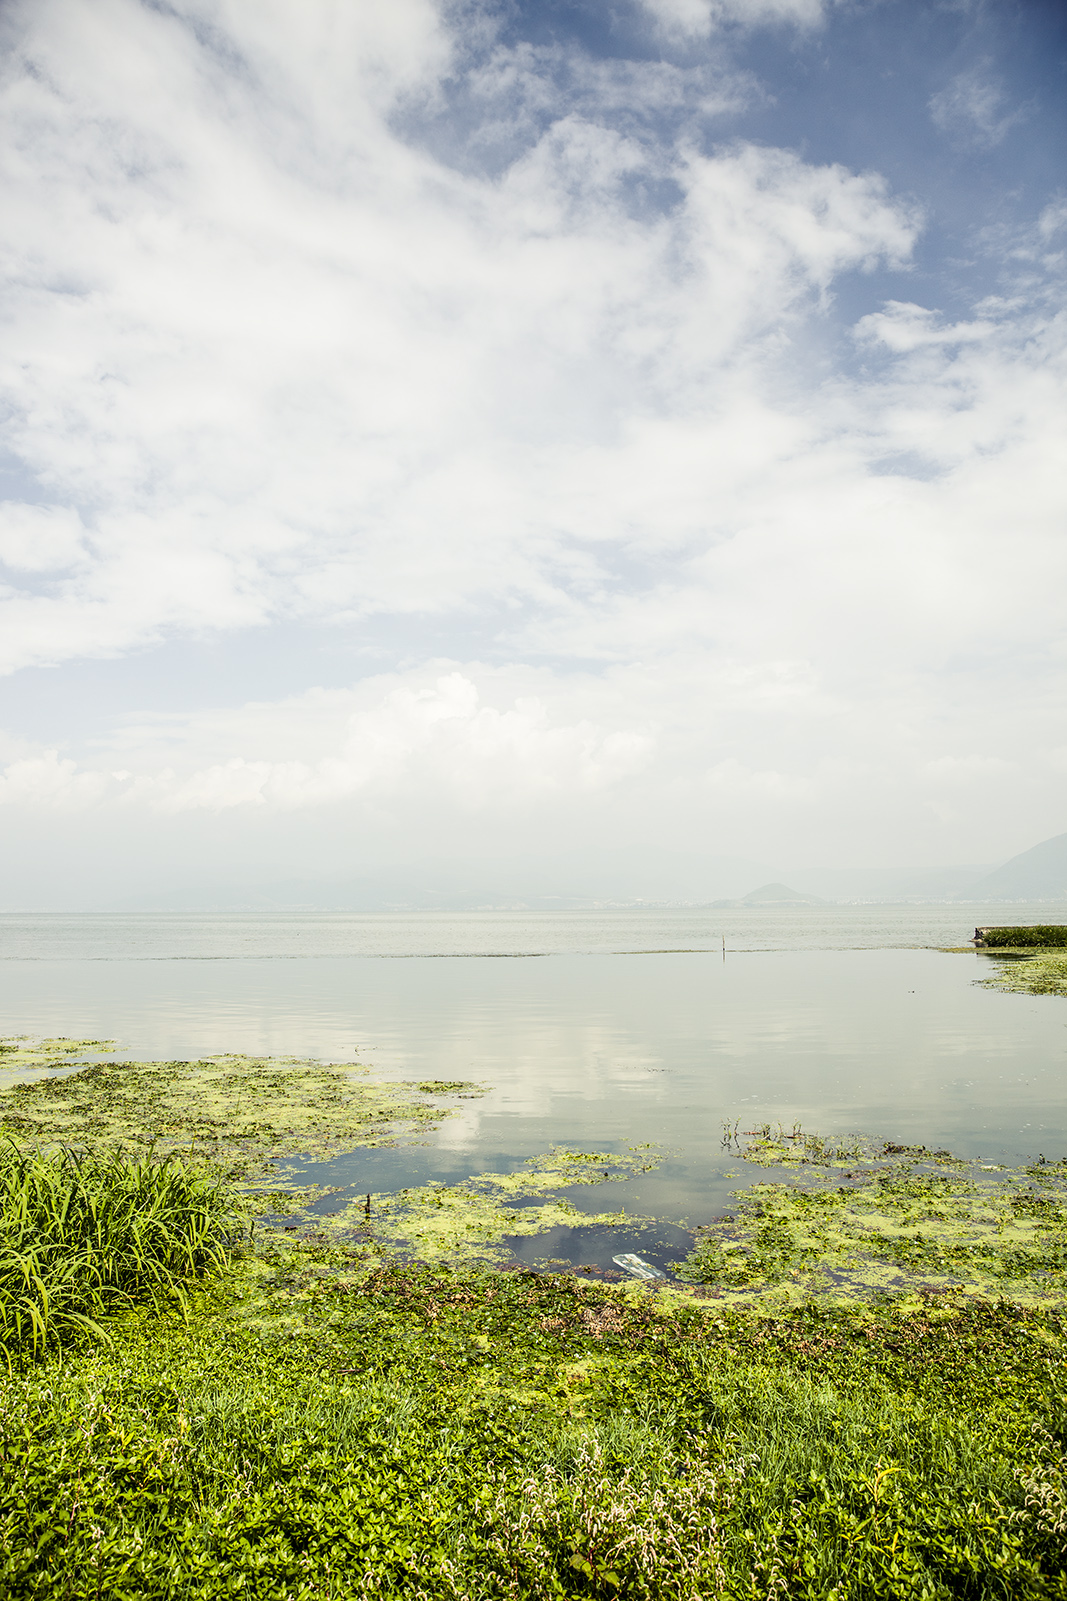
column 441, row 432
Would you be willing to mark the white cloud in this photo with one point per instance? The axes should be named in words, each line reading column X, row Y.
column 285, row 362
column 267, row 357
column 433, row 736
column 51, row 781
column 1052, row 220
column 903, row 326
column 973, row 108
column 40, row 539
column 700, row 18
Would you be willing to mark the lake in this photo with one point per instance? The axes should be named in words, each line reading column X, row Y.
column 597, row 1029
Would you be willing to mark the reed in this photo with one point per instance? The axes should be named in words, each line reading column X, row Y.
column 81, row 1235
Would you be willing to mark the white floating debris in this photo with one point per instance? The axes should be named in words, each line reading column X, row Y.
column 637, row 1266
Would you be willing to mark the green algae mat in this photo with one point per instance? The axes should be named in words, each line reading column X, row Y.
column 854, row 1219
column 239, row 1114
column 830, row 1221
column 472, row 1222
column 255, row 1120
column 1044, row 972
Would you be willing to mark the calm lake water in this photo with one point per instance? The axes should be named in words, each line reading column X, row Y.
column 593, row 1029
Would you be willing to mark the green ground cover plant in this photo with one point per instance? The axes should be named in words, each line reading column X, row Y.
column 488, row 1435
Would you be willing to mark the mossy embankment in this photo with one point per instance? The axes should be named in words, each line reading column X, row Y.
column 1021, row 937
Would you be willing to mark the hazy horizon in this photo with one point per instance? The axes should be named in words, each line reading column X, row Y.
column 531, row 441
column 601, row 881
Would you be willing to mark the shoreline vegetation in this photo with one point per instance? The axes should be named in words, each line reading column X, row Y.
column 853, row 1386
column 1038, row 936
column 1032, row 960
column 1030, row 972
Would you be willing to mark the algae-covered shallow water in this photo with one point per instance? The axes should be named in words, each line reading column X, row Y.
column 604, row 1031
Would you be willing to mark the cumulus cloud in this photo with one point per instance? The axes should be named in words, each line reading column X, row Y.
column 49, row 780
column 434, row 736
column 270, row 354
column 283, row 362
column 902, row 326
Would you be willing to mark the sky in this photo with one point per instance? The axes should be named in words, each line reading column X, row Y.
column 450, row 434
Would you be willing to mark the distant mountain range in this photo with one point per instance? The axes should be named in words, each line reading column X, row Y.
column 1039, row 874
column 648, row 877
column 651, row 876
column 773, row 895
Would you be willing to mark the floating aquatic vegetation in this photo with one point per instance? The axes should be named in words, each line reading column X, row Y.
column 472, row 1221
column 239, row 1114
column 449, row 1086
column 248, row 1118
column 1045, row 974
column 28, row 1051
column 904, row 1217
column 775, row 1146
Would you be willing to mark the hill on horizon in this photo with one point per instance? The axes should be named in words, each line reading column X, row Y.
column 773, row 895
column 610, row 877
column 777, row 895
column 1039, row 874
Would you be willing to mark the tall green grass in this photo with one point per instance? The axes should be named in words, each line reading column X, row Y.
column 81, row 1235
column 1038, row 935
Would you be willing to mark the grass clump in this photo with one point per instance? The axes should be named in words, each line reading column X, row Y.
column 82, row 1235
column 476, row 1437
column 1043, row 935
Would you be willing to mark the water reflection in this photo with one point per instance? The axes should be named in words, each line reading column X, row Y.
column 600, row 1051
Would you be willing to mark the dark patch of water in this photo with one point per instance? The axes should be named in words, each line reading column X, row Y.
column 593, row 1247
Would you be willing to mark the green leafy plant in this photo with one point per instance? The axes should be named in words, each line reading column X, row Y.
column 80, row 1235
column 481, row 1436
